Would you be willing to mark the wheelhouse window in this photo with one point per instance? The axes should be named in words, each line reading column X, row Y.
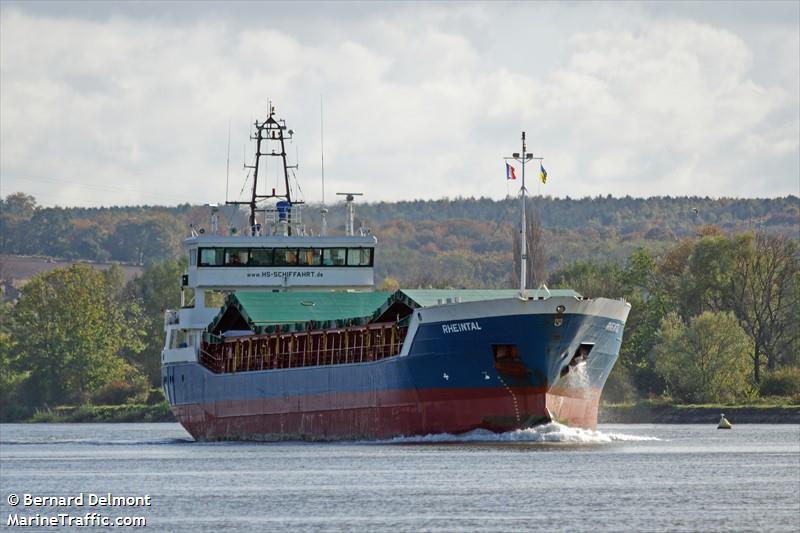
column 334, row 256
column 285, row 256
column 310, row 256
column 212, row 256
column 260, row 257
column 359, row 256
column 236, row 256
column 192, row 257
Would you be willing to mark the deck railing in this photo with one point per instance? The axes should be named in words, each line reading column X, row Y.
column 313, row 348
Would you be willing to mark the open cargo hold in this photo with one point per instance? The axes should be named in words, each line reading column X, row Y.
column 257, row 331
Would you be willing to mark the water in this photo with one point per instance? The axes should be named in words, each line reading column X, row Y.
column 577, row 379
column 553, row 478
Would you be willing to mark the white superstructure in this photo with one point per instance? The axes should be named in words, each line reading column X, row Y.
column 273, row 254
column 280, row 263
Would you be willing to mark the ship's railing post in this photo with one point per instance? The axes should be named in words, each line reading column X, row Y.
column 346, row 344
column 337, row 347
column 307, row 346
column 364, row 344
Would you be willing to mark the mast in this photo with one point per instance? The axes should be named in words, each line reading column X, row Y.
column 323, row 211
column 269, row 131
column 523, row 158
column 523, row 248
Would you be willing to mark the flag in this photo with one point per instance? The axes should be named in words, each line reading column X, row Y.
column 511, row 174
column 542, row 173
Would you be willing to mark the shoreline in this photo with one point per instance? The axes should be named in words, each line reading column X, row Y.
column 100, row 414
column 639, row 413
column 643, row 413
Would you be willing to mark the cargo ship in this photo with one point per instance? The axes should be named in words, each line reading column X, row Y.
column 303, row 348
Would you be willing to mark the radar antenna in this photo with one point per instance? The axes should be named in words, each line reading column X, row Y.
column 351, row 211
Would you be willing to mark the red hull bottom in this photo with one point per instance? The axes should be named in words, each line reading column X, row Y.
column 387, row 414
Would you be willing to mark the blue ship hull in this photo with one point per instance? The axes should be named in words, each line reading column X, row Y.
column 447, row 379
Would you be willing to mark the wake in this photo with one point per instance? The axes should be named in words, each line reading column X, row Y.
column 546, row 433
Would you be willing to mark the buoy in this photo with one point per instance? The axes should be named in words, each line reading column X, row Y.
column 723, row 422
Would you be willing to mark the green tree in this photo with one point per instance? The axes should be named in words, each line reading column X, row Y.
column 673, row 281
column 763, row 292
column 156, row 290
column 591, row 279
column 69, row 328
column 10, row 375
column 144, row 239
column 711, row 266
column 51, row 232
column 88, row 244
column 649, row 305
column 16, row 211
column 707, row 361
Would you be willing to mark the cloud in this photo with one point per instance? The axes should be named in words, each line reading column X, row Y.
column 420, row 101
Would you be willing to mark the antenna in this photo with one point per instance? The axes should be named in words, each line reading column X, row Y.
column 214, row 218
column 322, row 149
column 351, row 211
column 228, row 162
column 323, row 212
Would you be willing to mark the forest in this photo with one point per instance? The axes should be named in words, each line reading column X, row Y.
column 714, row 286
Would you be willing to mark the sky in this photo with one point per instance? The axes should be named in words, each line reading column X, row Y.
column 131, row 103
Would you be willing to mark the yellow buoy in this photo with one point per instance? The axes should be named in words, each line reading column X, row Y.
column 723, row 423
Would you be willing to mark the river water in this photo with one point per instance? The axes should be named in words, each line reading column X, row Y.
column 553, row 478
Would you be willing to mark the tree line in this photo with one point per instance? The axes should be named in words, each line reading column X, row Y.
column 433, row 232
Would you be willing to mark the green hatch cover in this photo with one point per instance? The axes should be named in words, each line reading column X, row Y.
column 268, row 308
column 293, row 311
